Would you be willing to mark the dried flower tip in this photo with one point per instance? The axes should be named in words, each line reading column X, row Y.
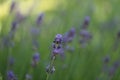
column 48, row 68
column 52, row 70
column 33, row 64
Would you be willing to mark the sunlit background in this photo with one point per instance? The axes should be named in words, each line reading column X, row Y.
column 28, row 27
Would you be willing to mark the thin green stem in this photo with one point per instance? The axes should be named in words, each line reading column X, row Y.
column 47, row 78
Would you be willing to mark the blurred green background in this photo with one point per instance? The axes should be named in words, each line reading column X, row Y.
column 59, row 16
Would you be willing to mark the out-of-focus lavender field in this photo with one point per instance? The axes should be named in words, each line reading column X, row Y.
column 59, row 40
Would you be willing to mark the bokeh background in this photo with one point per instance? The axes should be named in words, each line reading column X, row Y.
column 98, row 60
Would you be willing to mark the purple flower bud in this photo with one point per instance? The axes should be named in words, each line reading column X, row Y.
column 35, row 60
column 106, row 59
column 11, row 75
column 58, row 39
column 36, row 57
column 86, row 21
column 39, row 19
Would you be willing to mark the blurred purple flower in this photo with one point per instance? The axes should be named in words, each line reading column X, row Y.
column 68, row 37
column 106, row 59
column 86, row 22
column 14, row 26
column 36, row 57
column 114, row 68
column 85, row 34
column 111, row 71
column 40, row 19
column 11, row 76
column 12, row 7
column 116, row 64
